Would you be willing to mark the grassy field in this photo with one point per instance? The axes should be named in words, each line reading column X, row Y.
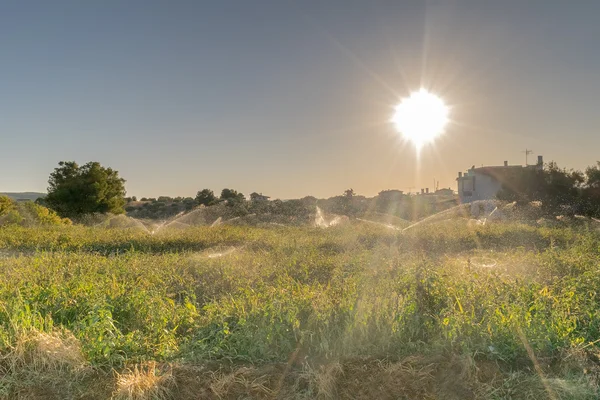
column 441, row 311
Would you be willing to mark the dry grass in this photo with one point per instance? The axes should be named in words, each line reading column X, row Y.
column 35, row 350
column 58, row 350
column 323, row 379
column 144, row 382
column 49, row 366
column 243, row 380
column 58, row 374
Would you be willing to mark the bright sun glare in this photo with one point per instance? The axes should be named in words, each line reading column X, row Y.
column 421, row 117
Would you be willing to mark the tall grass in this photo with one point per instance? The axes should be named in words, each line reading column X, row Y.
column 304, row 297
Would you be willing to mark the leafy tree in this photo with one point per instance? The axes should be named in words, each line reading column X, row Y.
column 344, row 204
column 133, row 198
column 523, row 186
column 189, row 203
column 592, row 176
column 74, row 191
column 231, row 195
column 558, row 189
column 591, row 191
column 561, row 188
column 206, row 197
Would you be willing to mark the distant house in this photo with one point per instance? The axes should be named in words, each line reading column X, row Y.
column 484, row 183
column 391, row 194
column 444, row 192
column 258, row 197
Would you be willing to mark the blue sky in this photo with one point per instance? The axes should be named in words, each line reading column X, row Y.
column 291, row 98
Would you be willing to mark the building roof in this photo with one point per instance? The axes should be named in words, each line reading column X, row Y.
column 500, row 173
column 500, row 169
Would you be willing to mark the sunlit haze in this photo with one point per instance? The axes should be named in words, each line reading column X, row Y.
column 293, row 98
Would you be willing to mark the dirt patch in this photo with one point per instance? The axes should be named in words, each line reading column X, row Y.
column 411, row 378
column 416, row 377
column 206, row 382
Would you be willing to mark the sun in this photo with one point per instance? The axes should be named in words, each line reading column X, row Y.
column 421, row 117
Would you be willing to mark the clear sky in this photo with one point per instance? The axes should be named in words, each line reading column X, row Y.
column 291, row 98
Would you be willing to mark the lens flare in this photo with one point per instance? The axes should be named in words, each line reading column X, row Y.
column 421, row 117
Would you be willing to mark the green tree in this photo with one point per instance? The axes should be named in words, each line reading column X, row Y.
column 591, row 191
column 344, row 204
column 561, row 189
column 557, row 188
column 206, row 197
column 189, row 203
column 592, row 176
column 523, row 186
column 231, row 195
column 75, row 191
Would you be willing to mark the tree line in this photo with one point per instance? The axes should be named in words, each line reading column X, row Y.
column 76, row 190
column 561, row 191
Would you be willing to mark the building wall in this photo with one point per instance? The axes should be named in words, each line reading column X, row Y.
column 487, row 187
column 475, row 186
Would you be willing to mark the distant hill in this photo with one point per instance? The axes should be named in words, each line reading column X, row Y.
column 24, row 195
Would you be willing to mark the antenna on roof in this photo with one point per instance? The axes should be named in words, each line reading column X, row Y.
column 527, row 153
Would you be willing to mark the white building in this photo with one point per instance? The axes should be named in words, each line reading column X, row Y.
column 484, row 183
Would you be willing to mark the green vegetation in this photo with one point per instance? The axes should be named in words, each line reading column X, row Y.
column 27, row 213
column 76, row 191
column 559, row 190
column 206, row 197
column 232, row 196
column 500, row 311
column 393, row 203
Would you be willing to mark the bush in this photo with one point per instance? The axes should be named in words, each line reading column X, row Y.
column 45, row 216
column 30, row 214
column 6, row 204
